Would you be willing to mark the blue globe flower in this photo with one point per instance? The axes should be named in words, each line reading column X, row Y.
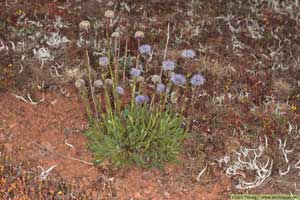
column 197, row 80
column 103, row 61
column 178, row 79
column 140, row 99
column 135, row 72
column 120, row 90
column 145, row 49
column 168, row 65
column 188, row 53
column 160, row 88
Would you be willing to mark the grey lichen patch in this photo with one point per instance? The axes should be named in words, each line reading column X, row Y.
column 282, row 88
column 216, row 67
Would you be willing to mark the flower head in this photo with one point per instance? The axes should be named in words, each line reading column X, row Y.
column 139, row 35
column 84, row 25
column 140, row 99
column 109, row 82
column 178, row 79
column 135, row 72
column 79, row 83
column 145, row 49
column 120, row 90
column 109, row 14
column 103, row 61
column 156, row 79
column 140, row 79
column 168, row 65
column 197, row 80
column 98, row 83
column 188, row 53
column 160, row 88
column 116, row 34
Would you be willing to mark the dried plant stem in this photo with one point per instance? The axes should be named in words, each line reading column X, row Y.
column 116, row 58
column 167, row 43
column 44, row 174
column 193, row 98
column 91, row 85
column 201, row 173
column 138, row 55
column 152, row 101
column 30, row 101
column 107, row 31
column 125, row 61
column 133, row 94
column 166, row 48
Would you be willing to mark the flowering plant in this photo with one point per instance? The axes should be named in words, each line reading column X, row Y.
column 146, row 129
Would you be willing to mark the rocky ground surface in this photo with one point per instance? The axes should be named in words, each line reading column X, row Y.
column 245, row 132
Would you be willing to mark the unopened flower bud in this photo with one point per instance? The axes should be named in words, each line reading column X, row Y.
column 139, row 35
column 98, row 83
column 156, row 79
column 115, row 34
column 79, row 83
column 109, row 14
column 84, row 25
column 109, row 82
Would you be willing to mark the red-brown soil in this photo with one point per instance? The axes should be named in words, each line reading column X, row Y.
column 37, row 134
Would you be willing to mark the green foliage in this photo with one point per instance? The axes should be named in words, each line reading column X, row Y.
column 137, row 136
column 144, row 133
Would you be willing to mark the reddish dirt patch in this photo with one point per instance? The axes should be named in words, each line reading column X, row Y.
column 37, row 133
column 138, row 184
column 29, row 129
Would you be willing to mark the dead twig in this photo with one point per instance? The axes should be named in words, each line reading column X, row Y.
column 44, row 174
column 167, row 43
column 62, row 155
column 30, row 101
column 201, row 173
column 68, row 144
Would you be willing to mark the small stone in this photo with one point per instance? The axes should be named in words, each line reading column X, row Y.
column 167, row 194
column 138, row 195
column 8, row 148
